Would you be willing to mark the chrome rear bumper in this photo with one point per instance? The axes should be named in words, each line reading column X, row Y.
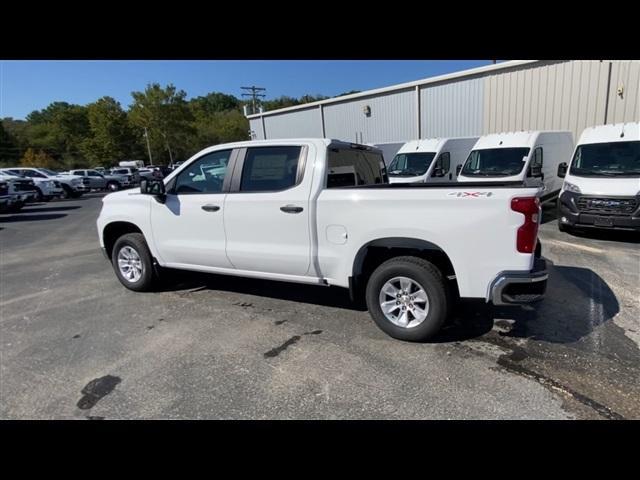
column 514, row 288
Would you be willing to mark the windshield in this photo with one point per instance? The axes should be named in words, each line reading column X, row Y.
column 410, row 164
column 495, row 162
column 610, row 159
column 48, row 172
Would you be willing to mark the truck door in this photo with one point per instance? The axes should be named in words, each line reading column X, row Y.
column 188, row 229
column 266, row 212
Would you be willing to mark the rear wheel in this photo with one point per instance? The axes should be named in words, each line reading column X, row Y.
column 113, row 186
column 407, row 298
column 132, row 262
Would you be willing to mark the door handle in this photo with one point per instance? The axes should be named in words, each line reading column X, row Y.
column 210, row 208
column 291, row 209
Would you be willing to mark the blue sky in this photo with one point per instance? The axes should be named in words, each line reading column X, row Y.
column 31, row 85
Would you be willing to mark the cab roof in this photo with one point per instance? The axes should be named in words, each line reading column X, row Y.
column 512, row 139
column 616, row 132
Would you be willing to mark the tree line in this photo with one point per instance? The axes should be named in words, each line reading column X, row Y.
column 160, row 120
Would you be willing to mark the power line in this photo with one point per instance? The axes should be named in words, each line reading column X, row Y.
column 254, row 95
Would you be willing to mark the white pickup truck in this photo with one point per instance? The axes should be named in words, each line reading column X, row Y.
column 322, row 212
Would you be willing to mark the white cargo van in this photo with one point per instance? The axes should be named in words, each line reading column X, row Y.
column 602, row 185
column 389, row 150
column 414, row 162
column 529, row 157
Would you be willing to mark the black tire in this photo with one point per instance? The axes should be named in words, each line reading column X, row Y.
column 67, row 191
column 138, row 243
column 76, row 194
column 429, row 278
column 39, row 195
column 112, row 186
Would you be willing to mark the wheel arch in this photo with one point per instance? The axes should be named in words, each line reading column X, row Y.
column 373, row 253
column 114, row 230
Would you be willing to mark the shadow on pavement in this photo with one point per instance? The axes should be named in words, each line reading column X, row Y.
column 179, row 280
column 608, row 235
column 30, row 218
column 38, row 209
column 577, row 301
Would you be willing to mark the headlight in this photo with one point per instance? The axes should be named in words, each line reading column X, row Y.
column 570, row 187
column 50, row 183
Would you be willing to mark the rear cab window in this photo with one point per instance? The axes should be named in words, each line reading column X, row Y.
column 352, row 167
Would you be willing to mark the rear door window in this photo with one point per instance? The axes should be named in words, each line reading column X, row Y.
column 269, row 169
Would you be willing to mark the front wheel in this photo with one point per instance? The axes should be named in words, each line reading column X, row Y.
column 132, row 262
column 407, row 298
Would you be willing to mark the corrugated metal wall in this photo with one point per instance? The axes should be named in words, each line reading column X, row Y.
column 299, row 123
column 452, row 109
column 547, row 95
column 625, row 108
column 393, row 118
column 552, row 96
column 255, row 125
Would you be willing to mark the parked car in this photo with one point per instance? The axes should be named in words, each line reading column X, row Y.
column 601, row 188
column 21, row 190
column 73, row 186
column 129, row 172
column 277, row 212
column 529, row 157
column 96, row 180
column 131, row 163
column 6, row 199
column 46, row 189
column 430, row 160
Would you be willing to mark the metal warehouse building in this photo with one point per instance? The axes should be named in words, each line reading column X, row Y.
column 509, row 96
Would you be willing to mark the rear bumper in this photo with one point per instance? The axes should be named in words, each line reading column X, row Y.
column 569, row 215
column 516, row 288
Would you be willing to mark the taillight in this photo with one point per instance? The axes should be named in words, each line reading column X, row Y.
column 528, row 232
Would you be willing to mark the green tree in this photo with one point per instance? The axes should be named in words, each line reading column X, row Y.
column 41, row 159
column 166, row 116
column 213, row 102
column 219, row 127
column 9, row 150
column 60, row 129
column 111, row 137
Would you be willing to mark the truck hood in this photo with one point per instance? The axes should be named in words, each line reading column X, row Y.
column 606, row 185
column 120, row 195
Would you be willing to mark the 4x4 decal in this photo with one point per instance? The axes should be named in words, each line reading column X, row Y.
column 470, row 194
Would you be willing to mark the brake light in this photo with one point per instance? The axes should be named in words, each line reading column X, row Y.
column 528, row 232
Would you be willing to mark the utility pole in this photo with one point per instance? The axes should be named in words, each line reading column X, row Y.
column 254, row 95
column 146, row 135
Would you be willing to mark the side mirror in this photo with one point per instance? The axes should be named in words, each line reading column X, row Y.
column 562, row 169
column 438, row 172
column 458, row 169
column 536, row 172
column 153, row 187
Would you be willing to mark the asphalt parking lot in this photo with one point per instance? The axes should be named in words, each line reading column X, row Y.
column 75, row 344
